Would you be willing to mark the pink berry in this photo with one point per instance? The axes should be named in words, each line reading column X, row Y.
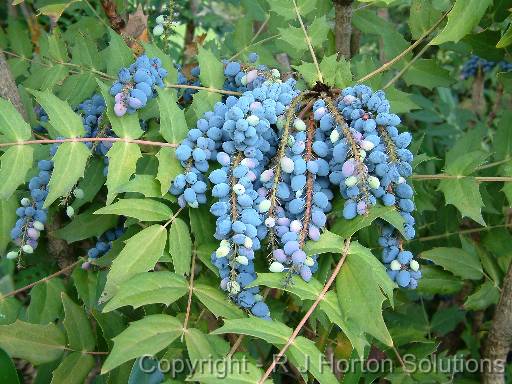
column 119, row 109
column 251, row 76
column 119, row 97
column 348, row 168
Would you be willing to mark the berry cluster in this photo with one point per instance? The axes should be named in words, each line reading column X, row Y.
column 103, row 245
column 476, row 64
column 136, row 84
column 187, row 93
column 31, row 214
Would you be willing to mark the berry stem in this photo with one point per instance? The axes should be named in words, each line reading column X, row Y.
column 389, row 144
column 309, row 181
column 197, row 87
column 308, row 314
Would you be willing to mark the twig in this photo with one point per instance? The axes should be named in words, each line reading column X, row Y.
column 494, row 164
column 499, row 339
column 44, row 279
column 171, row 220
column 308, row 313
column 406, row 66
column 477, row 178
column 308, row 41
column 402, row 54
column 461, row 232
column 90, row 139
column 215, row 90
column 190, row 290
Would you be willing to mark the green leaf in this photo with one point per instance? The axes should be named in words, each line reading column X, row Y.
column 140, row 254
column 77, row 326
column 487, row 294
column 250, row 374
column 152, row 50
column 86, row 283
column 149, row 288
column 91, row 183
column 302, row 352
column 143, row 184
column 86, row 225
column 457, row 261
column 77, row 88
column 503, row 138
column 180, row 246
column 15, row 163
column 464, row 194
column 36, row 343
column 336, row 72
column 202, row 225
column 308, row 72
column 347, row 228
column 147, row 336
column 60, row 115
column 55, row 10
column 8, row 372
column 202, row 101
column 329, row 243
column 467, row 164
column 127, row 126
column 464, row 16
column 216, row 302
column 363, row 279
column 45, row 302
column 9, row 310
column 12, row 125
column 422, row 18
column 427, row 73
column 305, row 291
column 445, row 320
column 168, row 168
column 285, row 8
column 118, row 54
column 7, row 220
column 200, row 345
column 436, row 281
column 506, row 39
column 173, row 126
column 121, row 166
column 212, row 70
column 140, row 209
column 401, row 102
column 74, row 369
column 68, row 166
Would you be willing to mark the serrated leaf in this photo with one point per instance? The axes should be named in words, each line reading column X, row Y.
column 60, row 115
column 74, row 369
column 86, row 225
column 143, row 184
column 55, row 10
column 305, row 291
column 168, row 168
column 7, row 220
column 467, row 164
column 436, row 281
column 464, row 194
column 15, row 163
column 119, row 55
column 329, row 243
column 140, row 254
column 427, row 73
column 91, row 183
column 463, row 17
column 302, row 352
column 285, row 8
column 122, row 164
column 422, row 16
column 506, row 39
column 445, row 320
column 12, row 125
column 140, row 209
column 487, row 294
column 68, row 166
column 212, row 69
column 173, row 126
column 36, row 343
column 180, row 246
column 45, row 302
column 147, row 336
column 308, row 72
column 86, row 282
column 363, row 279
column 77, row 326
column 127, row 126
column 149, row 288
column 217, row 302
column 347, row 228
column 457, row 261
column 8, row 372
column 77, row 88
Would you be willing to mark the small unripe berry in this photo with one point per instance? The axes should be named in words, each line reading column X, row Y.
column 395, row 265
column 276, row 267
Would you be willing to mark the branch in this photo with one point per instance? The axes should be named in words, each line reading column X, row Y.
column 116, row 21
column 343, row 27
column 400, row 56
column 499, row 339
column 91, row 139
column 44, row 279
column 8, row 89
column 308, row 313
column 190, row 290
column 477, row 178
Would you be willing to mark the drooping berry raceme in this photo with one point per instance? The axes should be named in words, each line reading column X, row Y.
column 476, row 64
column 136, row 84
column 103, row 245
column 31, row 215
